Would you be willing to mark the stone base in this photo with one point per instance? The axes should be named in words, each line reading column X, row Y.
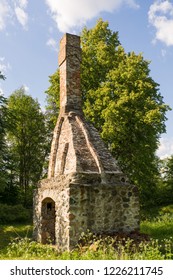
column 68, row 205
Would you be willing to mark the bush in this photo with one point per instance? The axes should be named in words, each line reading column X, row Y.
column 14, row 213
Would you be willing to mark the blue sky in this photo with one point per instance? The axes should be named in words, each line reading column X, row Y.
column 30, row 31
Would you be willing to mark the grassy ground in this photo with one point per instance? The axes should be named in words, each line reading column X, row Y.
column 16, row 242
column 158, row 223
column 9, row 233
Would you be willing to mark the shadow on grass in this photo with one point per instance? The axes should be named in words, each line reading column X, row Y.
column 157, row 231
column 10, row 232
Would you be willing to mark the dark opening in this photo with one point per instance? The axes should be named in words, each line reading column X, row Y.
column 49, row 206
column 48, row 221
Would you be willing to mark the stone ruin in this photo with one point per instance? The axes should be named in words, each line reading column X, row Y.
column 85, row 189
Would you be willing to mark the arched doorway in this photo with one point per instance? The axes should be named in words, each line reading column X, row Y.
column 48, row 221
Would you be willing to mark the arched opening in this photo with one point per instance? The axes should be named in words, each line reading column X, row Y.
column 48, row 221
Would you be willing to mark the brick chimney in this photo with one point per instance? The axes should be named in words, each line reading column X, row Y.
column 76, row 146
column 69, row 65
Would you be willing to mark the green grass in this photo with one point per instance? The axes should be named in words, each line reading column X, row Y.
column 16, row 242
column 10, row 232
column 161, row 226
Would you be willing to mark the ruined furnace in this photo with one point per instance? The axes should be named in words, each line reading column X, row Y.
column 85, row 189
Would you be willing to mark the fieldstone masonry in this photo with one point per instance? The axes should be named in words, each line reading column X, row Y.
column 85, row 188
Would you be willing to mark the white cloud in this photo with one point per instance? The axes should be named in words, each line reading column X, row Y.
column 132, row 4
column 160, row 15
column 52, row 43
column 166, row 147
column 75, row 13
column 1, row 92
column 4, row 13
column 2, row 59
column 13, row 9
column 163, row 52
column 23, row 3
column 4, row 66
column 26, row 88
column 22, row 16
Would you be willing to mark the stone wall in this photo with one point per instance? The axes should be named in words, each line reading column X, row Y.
column 58, row 191
column 84, row 203
column 107, row 208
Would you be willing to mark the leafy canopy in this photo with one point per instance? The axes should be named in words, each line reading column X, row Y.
column 27, row 138
column 3, row 116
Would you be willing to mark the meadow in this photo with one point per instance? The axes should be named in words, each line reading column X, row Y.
column 153, row 243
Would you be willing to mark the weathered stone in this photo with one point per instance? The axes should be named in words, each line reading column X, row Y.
column 85, row 188
column 126, row 199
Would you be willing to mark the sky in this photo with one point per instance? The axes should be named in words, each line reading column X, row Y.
column 30, row 31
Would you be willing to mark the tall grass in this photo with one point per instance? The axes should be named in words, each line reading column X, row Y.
column 160, row 226
column 159, row 245
column 99, row 250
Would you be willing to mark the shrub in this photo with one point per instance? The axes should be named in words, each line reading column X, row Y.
column 13, row 213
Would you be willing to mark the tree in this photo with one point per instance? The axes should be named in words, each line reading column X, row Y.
column 99, row 55
column 3, row 113
column 165, row 181
column 2, row 120
column 169, row 171
column 2, row 143
column 123, row 102
column 130, row 114
column 27, row 140
column 53, row 98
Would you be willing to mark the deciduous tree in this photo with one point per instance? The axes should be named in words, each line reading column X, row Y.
column 27, row 139
column 3, row 112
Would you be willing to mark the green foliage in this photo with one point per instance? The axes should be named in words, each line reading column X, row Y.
column 2, row 76
column 3, row 146
column 24, row 146
column 13, row 213
column 167, row 172
column 28, row 143
column 25, row 248
column 125, row 248
column 52, row 99
column 159, row 225
column 164, row 182
column 130, row 114
column 99, row 55
column 101, row 249
column 10, row 232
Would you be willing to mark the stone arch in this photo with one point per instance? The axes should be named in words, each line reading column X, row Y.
column 48, row 215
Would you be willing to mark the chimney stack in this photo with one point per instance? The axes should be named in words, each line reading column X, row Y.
column 69, row 63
